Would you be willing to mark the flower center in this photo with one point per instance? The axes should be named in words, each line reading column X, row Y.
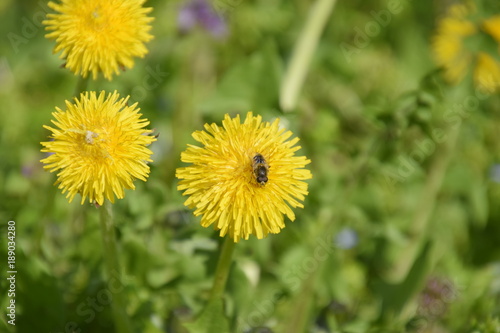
column 89, row 137
column 95, row 145
column 96, row 19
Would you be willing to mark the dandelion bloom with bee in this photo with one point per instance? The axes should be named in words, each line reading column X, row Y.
column 466, row 42
column 245, row 178
column 99, row 147
column 99, row 35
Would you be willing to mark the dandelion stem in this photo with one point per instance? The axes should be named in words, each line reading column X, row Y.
column 113, row 270
column 303, row 52
column 222, row 270
column 81, row 85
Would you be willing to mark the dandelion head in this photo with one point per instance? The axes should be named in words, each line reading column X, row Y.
column 245, row 178
column 99, row 36
column 448, row 44
column 461, row 46
column 492, row 27
column 98, row 147
column 487, row 72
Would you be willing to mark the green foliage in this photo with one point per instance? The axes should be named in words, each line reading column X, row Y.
column 399, row 157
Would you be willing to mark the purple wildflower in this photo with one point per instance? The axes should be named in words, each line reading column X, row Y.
column 200, row 12
column 436, row 297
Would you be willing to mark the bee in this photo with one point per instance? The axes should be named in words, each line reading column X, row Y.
column 260, row 169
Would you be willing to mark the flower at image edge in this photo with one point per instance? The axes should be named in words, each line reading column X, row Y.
column 221, row 183
column 487, row 72
column 457, row 57
column 448, row 44
column 492, row 27
column 99, row 35
column 98, row 147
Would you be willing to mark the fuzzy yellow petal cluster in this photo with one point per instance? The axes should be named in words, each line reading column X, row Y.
column 98, row 147
column 459, row 57
column 221, row 182
column 99, row 36
column 492, row 27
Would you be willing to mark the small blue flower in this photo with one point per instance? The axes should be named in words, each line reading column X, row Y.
column 495, row 173
column 346, row 239
column 200, row 12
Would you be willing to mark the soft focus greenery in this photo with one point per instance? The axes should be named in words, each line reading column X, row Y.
column 401, row 161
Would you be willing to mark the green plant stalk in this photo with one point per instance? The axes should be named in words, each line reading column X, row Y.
column 186, row 115
column 212, row 318
column 427, row 202
column 81, row 85
column 303, row 52
column 222, row 270
column 112, row 267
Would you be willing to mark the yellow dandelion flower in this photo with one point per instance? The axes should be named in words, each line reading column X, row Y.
column 99, row 35
column 458, row 57
column 245, row 178
column 99, row 147
column 448, row 44
column 492, row 27
column 487, row 72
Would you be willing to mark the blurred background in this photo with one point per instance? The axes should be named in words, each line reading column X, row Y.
column 401, row 228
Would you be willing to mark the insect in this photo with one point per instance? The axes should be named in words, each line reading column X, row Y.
column 89, row 137
column 260, row 169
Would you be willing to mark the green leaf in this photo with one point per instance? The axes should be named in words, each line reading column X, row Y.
column 479, row 205
column 251, row 84
column 211, row 320
column 398, row 295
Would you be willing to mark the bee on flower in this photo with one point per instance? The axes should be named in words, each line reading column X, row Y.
column 260, row 169
column 245, row 178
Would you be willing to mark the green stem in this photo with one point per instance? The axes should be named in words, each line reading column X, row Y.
column 185, row 117
column 81, row 85
column 113, row 271
column 427, row 202
column 222, row 270
column 303, row 52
